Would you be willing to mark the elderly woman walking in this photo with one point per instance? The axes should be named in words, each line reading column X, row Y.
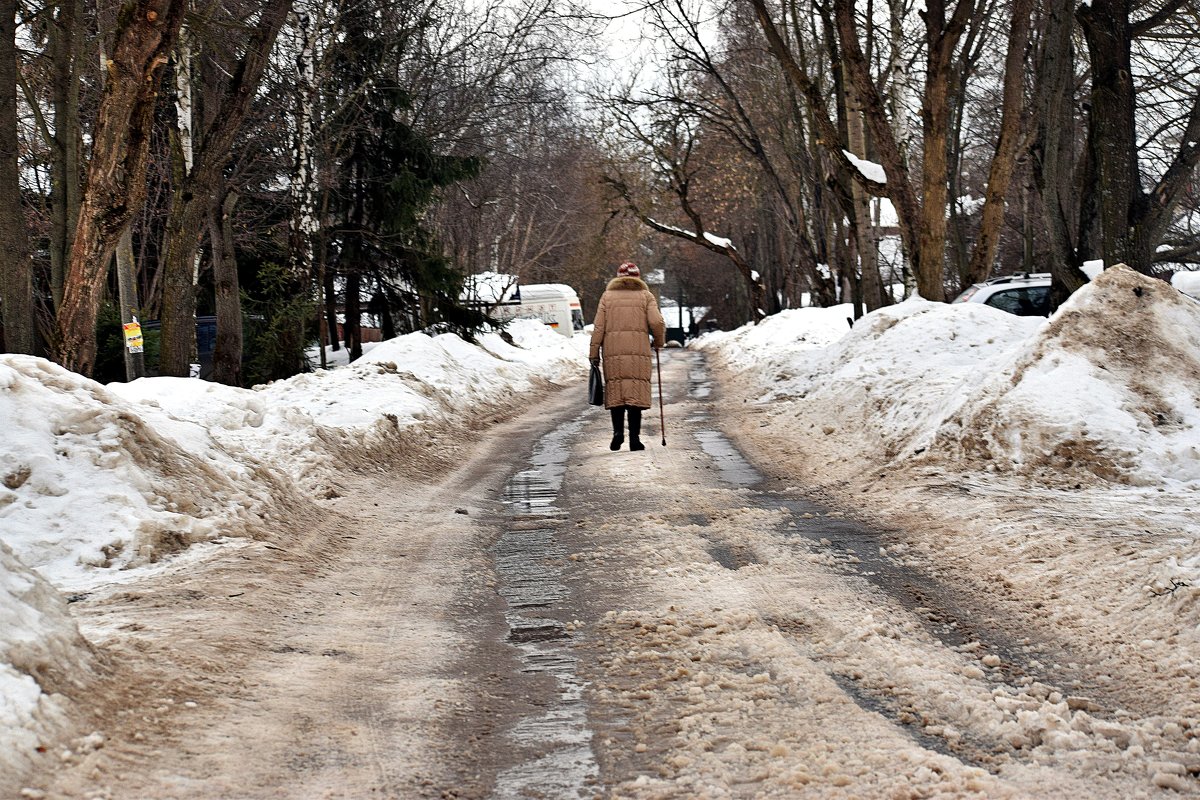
column 628, row 315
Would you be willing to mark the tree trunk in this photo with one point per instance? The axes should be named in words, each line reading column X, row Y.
column 1053, row 156
column 304, row 222
column 1112, row 130
column 116, row 184
column 935, row 124
column 329, row 290
column 1008, row 146
column 910, row 210
column 185, row 223
column 871, row 287
column 210, row 150
column 65, row 44
column 227, row 357
column 1132, row 221
column 352, row 327
column 830, row 139
column 184, row 226
column 16, row 270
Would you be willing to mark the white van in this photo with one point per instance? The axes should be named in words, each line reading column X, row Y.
column 555, row 304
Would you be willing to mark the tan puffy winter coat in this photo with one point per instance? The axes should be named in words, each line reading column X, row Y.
column 627, row 315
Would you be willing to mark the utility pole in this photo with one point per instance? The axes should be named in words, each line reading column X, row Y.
column 135, row 358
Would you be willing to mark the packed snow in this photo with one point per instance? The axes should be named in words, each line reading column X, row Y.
column 98, row 481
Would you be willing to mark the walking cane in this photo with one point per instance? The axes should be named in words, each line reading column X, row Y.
column 662, row 420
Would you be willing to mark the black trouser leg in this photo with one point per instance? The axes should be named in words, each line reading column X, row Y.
column 618, row 422
column 635, row 429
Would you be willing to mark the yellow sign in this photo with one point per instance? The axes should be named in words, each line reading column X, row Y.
column 133, row 336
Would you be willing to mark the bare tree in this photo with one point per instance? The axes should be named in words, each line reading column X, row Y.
column 670, row 140
column 66, row 33
column 1133, row 220
column 225, row 106
column 726, row 84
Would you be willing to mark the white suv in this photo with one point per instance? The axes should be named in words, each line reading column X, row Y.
column 1024, row 294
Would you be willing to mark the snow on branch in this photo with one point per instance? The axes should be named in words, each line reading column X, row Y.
column 868, row 169
column 708, row 239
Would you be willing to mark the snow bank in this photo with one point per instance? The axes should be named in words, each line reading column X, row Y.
column 89, row 481
column 97, row 479
column 40, row 649
column 892, row 377
column 412, row 380
column 1051, row 463
column 1187, row 282
column 1107, row 390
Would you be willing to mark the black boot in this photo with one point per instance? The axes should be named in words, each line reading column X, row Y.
column 635, row 429
column 618, row 420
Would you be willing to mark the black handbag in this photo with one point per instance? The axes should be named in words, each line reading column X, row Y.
column 595, row 387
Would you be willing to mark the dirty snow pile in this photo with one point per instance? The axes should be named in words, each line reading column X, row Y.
column 96, row 479
column 1108, row 390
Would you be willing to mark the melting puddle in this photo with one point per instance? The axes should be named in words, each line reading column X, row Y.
column 735, row 469
column 731, row 557
column 528, row 560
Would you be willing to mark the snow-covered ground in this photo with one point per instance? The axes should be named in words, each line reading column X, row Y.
column 101, row 483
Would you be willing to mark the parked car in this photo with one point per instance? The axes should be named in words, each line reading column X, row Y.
column 1024, row 294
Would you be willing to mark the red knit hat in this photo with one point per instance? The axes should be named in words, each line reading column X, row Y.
column 628, row 270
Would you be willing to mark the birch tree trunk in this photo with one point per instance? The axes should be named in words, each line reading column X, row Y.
column 305, row 226
column 116, row 182
column 898, row 87
column 304, row 223
column 178, row 343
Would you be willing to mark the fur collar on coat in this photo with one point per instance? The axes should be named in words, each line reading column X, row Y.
column 626, row 282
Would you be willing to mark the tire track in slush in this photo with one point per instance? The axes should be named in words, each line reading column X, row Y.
column 952, row 619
